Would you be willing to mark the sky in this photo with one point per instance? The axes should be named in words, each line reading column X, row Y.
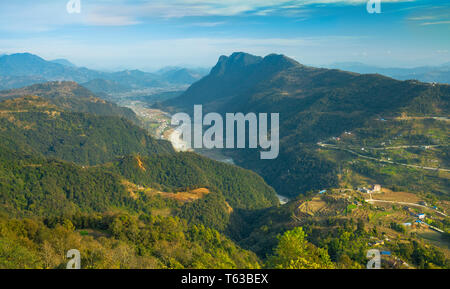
column 147, row 35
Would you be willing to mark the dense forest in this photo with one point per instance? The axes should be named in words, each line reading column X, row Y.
column 34, row 125
column 117, row 241
column 242, row 188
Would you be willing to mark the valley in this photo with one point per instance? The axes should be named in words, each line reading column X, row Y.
column 307, row 136
column 157, row 122
column 117, row 178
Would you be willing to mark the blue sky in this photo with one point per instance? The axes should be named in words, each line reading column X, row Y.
column 155, row 33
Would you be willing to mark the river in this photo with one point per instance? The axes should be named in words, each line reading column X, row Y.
column 168, row 133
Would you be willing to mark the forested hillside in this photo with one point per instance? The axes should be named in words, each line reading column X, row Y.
column 71, row 96
column 241, row 188
column 117, row 241
column 35, row 125
column 39, row 187
column 61, row 206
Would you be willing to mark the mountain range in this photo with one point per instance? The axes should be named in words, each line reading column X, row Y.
column 314, row 104
column 440, row 74
column 22, row 69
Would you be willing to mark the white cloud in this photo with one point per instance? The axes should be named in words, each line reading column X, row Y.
column 435, row 15
column 197, row 8
column 36, row 16
column 435, row 23
column 425, row 17
column 207, row 24
column 110, row 20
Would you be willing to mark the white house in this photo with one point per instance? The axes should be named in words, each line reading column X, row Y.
column 376, row 188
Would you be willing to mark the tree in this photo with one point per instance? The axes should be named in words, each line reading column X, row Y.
column 294, row 252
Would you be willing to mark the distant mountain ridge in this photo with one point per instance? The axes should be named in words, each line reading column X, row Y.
column 26, row 64
column 32, row 69
column 63, row 62
column 440, row 73
column 180, row 75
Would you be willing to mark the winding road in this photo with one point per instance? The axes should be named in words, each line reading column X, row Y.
column 403, row 203
column 385, row 161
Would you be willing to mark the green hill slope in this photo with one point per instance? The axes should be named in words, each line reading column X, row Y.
column 241, row 188
column 71, row 96
column 35, row 125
